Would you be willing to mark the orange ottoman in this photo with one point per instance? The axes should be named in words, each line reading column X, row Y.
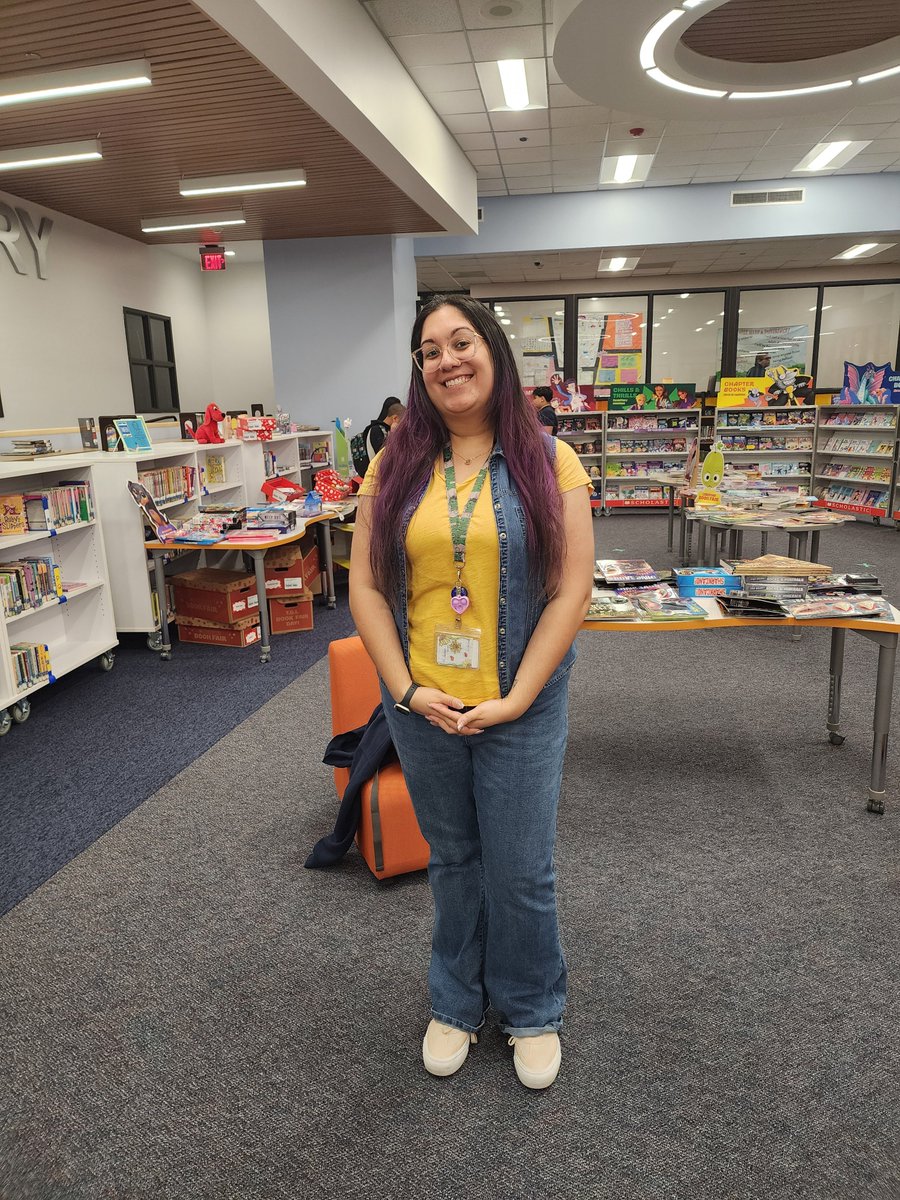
column 388, row 837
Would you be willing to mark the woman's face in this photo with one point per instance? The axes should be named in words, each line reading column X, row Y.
column 456, row 389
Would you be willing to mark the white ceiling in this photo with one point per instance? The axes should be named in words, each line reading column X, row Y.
column 559, row 149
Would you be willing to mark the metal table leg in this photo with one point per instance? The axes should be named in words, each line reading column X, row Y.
column 159, row 575
column 884, row 687
column 814, row 545
column 682, row 534
column 701, row 545
column 323, row 530
column 670, row 534
column 835, row 671
column 259, row 568
column 763, row 543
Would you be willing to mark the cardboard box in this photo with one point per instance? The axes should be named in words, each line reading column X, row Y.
column 291, row 615
column 293, row 569
column 705, row 581
column 210, row 633
column 215, row 595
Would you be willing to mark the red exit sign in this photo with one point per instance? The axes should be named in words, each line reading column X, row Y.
column 212, row 258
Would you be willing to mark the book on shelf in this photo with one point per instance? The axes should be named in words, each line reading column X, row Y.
column 215, row 468
column 29, row 583
column 31, row 663
column 626, row 570
column 12, row 515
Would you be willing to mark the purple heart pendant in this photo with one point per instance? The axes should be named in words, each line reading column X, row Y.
column 459, row 603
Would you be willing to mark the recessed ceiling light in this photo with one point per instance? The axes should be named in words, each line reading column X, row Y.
column 656, row 324
column 668, row 81
column 506, row 321
column 45, row 156
column 559, row 313
column 699, row 329
column 512, row 337
column 230, row 253
column 864, row 250
column 192, row 221
column 625, row 168
column 77, row 81
column 684, row 296
column 618, row 263
column 249, row 181
column 830, row 155
column 711, row 322
column 514, row 83
column 879, row 75
column 804, row 91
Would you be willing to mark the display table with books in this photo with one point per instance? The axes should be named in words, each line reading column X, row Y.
column 634, row 599
column 254, row 544
column 716, row 526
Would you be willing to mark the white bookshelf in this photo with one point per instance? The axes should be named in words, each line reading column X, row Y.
column 855, row 463
column 293, row 459
column 123, row 521
column 783, row 440
column 80, row 626
column 644, row 444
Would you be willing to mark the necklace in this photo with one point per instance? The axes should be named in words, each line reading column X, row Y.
column 468, row 461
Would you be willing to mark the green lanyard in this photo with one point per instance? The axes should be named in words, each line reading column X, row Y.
column 459, row 527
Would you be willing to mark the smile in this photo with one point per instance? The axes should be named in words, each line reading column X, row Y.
column 449, row 383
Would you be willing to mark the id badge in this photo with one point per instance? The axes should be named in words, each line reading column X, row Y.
column 457, row 647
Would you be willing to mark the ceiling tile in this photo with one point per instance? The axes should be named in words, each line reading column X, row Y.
column 585, row 114
column 411, row 16
column 514, row 41
column 524, row 170
column 498, row 191
column 552, row 73
column 473, row 122
column 666, row 182
column 857, row 133
column 432, row 49
column 800, row 135
column 736, row 141
column 534, row 137
column 583, row 150
column 531, row 118
column 748, row 124
column 456, row 78
column 567, row 187
column 517, row 154
column 621, row 130
column 885, row 145
column 476, row 141
column 682, row 144
column 719, row 172
column 723, row 156
column 529, row 189
column 476, row 14
column 874, row 114
column 445, row 103
column 483, row 158
column 563, row 97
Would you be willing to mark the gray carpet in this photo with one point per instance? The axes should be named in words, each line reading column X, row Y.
column 188, row 1014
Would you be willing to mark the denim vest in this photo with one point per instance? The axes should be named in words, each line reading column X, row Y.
column 521, row 599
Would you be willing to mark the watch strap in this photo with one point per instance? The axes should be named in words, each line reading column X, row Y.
column 403, row 705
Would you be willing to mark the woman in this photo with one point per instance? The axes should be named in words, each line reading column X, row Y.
column 471, row 632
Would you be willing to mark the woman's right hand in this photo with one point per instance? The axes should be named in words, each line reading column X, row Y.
column 438, row 708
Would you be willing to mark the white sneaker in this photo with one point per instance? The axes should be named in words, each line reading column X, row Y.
column 537, row 1059
column 444, row 1048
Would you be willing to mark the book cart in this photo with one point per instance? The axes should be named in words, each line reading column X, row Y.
column 176, row 475
column 856, row 448
column 778, row 442
column 70, row 629
column 638, row 447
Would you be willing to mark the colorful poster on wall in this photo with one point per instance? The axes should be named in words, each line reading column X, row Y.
column 772, row 346
column 651, row 396
column 780, row 387
column 869, row 384
column 539, row 348
column 610, row 347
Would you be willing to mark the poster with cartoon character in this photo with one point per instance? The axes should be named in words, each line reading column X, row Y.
column 869, row 384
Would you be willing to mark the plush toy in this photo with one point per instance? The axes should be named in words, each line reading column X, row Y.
column 209, row 430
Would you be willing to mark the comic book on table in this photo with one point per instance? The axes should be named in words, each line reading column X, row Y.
column 626, row 570
column 849, row 606
column 658, row 606
column 606, row 605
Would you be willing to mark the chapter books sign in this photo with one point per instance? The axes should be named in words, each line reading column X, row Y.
column 780, row 387
column 651, row 396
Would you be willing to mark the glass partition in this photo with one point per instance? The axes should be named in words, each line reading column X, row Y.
column 860, row 322
column 611, row 341
column 687, row 338
column 535, row 329
column 775, row 328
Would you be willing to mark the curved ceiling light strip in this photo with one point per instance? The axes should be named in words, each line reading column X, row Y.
column 648, row 45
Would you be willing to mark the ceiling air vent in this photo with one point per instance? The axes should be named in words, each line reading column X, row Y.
column 783, row 196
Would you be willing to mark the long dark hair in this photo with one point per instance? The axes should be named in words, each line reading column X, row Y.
column 408, row 459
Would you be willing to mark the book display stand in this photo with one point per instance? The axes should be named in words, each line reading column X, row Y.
column 57, row 611
column 855, row 467
column 777, row 442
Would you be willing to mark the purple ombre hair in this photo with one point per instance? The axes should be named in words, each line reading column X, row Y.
column 410, row 452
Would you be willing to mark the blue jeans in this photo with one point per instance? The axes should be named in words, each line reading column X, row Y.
column 486, row 805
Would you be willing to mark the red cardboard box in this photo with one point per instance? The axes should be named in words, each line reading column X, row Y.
column 240, row 633
column 293, row 569
column 215, row 595
column 291, row 615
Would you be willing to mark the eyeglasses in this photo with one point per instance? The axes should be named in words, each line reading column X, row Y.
column 462, row 347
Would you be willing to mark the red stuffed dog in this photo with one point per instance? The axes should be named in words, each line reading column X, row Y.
column 209, row 430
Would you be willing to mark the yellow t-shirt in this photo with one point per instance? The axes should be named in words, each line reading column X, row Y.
column 432, row 573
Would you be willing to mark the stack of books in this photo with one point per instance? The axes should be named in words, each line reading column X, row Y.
column 769, row 584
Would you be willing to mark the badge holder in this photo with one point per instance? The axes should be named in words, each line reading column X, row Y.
column 454, row 646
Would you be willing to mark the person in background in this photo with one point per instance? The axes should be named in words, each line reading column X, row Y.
column 541, row 398
column 471, row 573
column 377, row 432
column 760, row 366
